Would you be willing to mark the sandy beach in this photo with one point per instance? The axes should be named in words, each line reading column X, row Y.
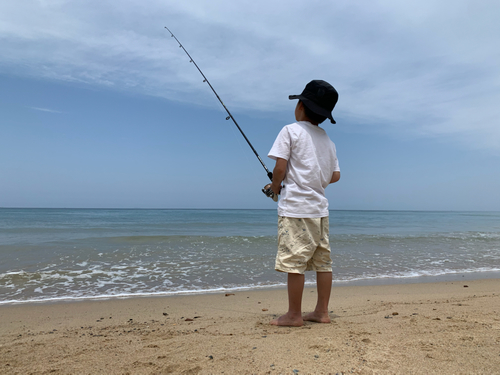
column 427, row 328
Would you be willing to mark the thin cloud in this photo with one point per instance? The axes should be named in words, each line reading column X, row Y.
column 45, row 110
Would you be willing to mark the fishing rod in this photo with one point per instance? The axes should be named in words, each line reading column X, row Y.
column 266, row 189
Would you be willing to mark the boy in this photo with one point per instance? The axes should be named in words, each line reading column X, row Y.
column 306, row 162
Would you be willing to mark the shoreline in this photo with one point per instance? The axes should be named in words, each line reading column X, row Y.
column 381, row 281
column 440, row 327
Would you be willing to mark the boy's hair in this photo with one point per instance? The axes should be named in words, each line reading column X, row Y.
column 314, row 117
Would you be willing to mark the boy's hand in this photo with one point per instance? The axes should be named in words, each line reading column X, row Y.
column 276, row 188
column 269, row 192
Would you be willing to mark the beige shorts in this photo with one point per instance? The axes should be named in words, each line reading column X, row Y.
column 303, row 245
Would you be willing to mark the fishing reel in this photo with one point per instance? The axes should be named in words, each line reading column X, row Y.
column 269, row 193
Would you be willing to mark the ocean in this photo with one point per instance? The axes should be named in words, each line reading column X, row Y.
column 71, row 254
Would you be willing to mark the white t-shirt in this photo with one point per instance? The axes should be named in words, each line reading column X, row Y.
column 312, row 159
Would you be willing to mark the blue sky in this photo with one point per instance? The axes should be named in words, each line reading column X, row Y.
column 100, row 108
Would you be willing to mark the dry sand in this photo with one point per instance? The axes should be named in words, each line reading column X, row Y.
column 440, row 328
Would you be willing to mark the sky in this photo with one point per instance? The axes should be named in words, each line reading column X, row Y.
column 100, row 108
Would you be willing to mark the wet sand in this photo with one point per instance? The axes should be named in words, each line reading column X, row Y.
column 427, row 328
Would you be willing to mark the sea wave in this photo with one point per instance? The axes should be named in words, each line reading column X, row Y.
column 52, row 255
column 109, row 288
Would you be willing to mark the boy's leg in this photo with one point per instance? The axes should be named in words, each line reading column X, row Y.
column 324, row 287
column 293, row 317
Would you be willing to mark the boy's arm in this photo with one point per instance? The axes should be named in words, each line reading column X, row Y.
column 335, row 177
column 278, row 175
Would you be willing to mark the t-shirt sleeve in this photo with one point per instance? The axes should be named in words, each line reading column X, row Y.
column 282, row 146
column 336, row 166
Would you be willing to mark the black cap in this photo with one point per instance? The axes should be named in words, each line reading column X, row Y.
column 320, row 97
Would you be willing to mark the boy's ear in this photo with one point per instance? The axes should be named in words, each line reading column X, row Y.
column 300, row 108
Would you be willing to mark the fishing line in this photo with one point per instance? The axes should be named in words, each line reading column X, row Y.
column 230, row 116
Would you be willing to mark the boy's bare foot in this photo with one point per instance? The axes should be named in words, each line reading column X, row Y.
column 288, row 321
column 317, row 317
